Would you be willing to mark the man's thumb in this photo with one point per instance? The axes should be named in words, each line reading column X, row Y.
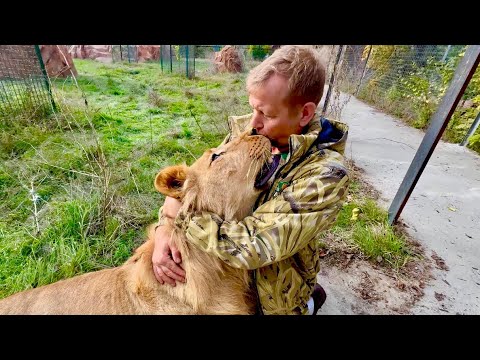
column 177, row 257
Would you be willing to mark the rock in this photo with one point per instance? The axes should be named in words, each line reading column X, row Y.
column 148, row 52
column 58, row 61
column 228, row 60
column 101, row 53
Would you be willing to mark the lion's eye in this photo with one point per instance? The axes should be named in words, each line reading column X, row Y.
column 215, row 156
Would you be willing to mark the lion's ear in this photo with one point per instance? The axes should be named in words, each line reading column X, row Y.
column 170, row 181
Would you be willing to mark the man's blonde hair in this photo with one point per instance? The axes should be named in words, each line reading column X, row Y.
column 301, row 65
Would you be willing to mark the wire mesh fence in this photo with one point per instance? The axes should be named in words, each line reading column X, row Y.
column 250, row 56
column 178, row 59
column 124, row 53
column 24, row 84
column 193, row 60
column 405, row 80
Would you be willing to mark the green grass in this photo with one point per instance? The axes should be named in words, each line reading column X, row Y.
column 76, row 186
column 370, row 234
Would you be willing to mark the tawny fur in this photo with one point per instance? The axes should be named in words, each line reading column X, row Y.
column 212, row 287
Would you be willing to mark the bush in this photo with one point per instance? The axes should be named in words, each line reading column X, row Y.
column 259, row 52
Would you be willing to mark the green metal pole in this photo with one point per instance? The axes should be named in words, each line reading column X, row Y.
column 45, row 76
column 161, row 57
column 186, row 61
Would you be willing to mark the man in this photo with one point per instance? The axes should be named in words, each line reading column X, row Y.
column 304, row 190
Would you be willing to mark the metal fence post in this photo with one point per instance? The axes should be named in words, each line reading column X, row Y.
column 446, row 53
column 364, row 70
column 186, row 61
column 472, row 130
column 45, row 75
column 438, row 123
column 161, row 57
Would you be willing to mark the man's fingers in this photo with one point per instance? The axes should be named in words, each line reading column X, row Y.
column 176, row 256
column 166, row 278
column 171, row 274
column 176, row 269
column 157, row 276
column 161, row 277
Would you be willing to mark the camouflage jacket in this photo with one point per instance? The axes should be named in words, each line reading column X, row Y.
column 279, row 242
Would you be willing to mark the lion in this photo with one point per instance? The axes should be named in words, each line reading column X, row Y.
column 222, row 181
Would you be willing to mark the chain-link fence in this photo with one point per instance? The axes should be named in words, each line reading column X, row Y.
column 178, row 59
column 124, row 53
column 250, row 56
column 192, row 60
column 24, row 84
column 405, row 80
column 402, row 78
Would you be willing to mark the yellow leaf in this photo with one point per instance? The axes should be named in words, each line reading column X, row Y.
column 355, row 213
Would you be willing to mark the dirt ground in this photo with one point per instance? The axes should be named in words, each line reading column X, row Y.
column 356, row 285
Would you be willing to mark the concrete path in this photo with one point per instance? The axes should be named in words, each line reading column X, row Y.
column 443, row 212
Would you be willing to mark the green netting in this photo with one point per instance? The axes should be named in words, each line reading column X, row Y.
column 124, row 53
column 178, row 59
column 24, row 85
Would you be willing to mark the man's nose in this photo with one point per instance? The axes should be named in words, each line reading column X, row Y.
column 256, row 122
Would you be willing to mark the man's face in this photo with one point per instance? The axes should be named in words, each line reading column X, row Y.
column 271, row 115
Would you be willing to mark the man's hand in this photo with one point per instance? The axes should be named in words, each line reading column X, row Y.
column 171, row 207
column 166, row 259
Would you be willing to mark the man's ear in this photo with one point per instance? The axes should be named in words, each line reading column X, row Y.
column 169, row 181
column 308, row 111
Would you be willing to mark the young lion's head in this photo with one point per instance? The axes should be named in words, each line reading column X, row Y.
column 222, row 181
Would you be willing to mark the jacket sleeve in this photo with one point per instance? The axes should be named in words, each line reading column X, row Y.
column 278, row 228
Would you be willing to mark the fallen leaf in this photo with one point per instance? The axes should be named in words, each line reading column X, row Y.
column 348, row 260
column 451, row 208
column 355, row 213
column 323, row 253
